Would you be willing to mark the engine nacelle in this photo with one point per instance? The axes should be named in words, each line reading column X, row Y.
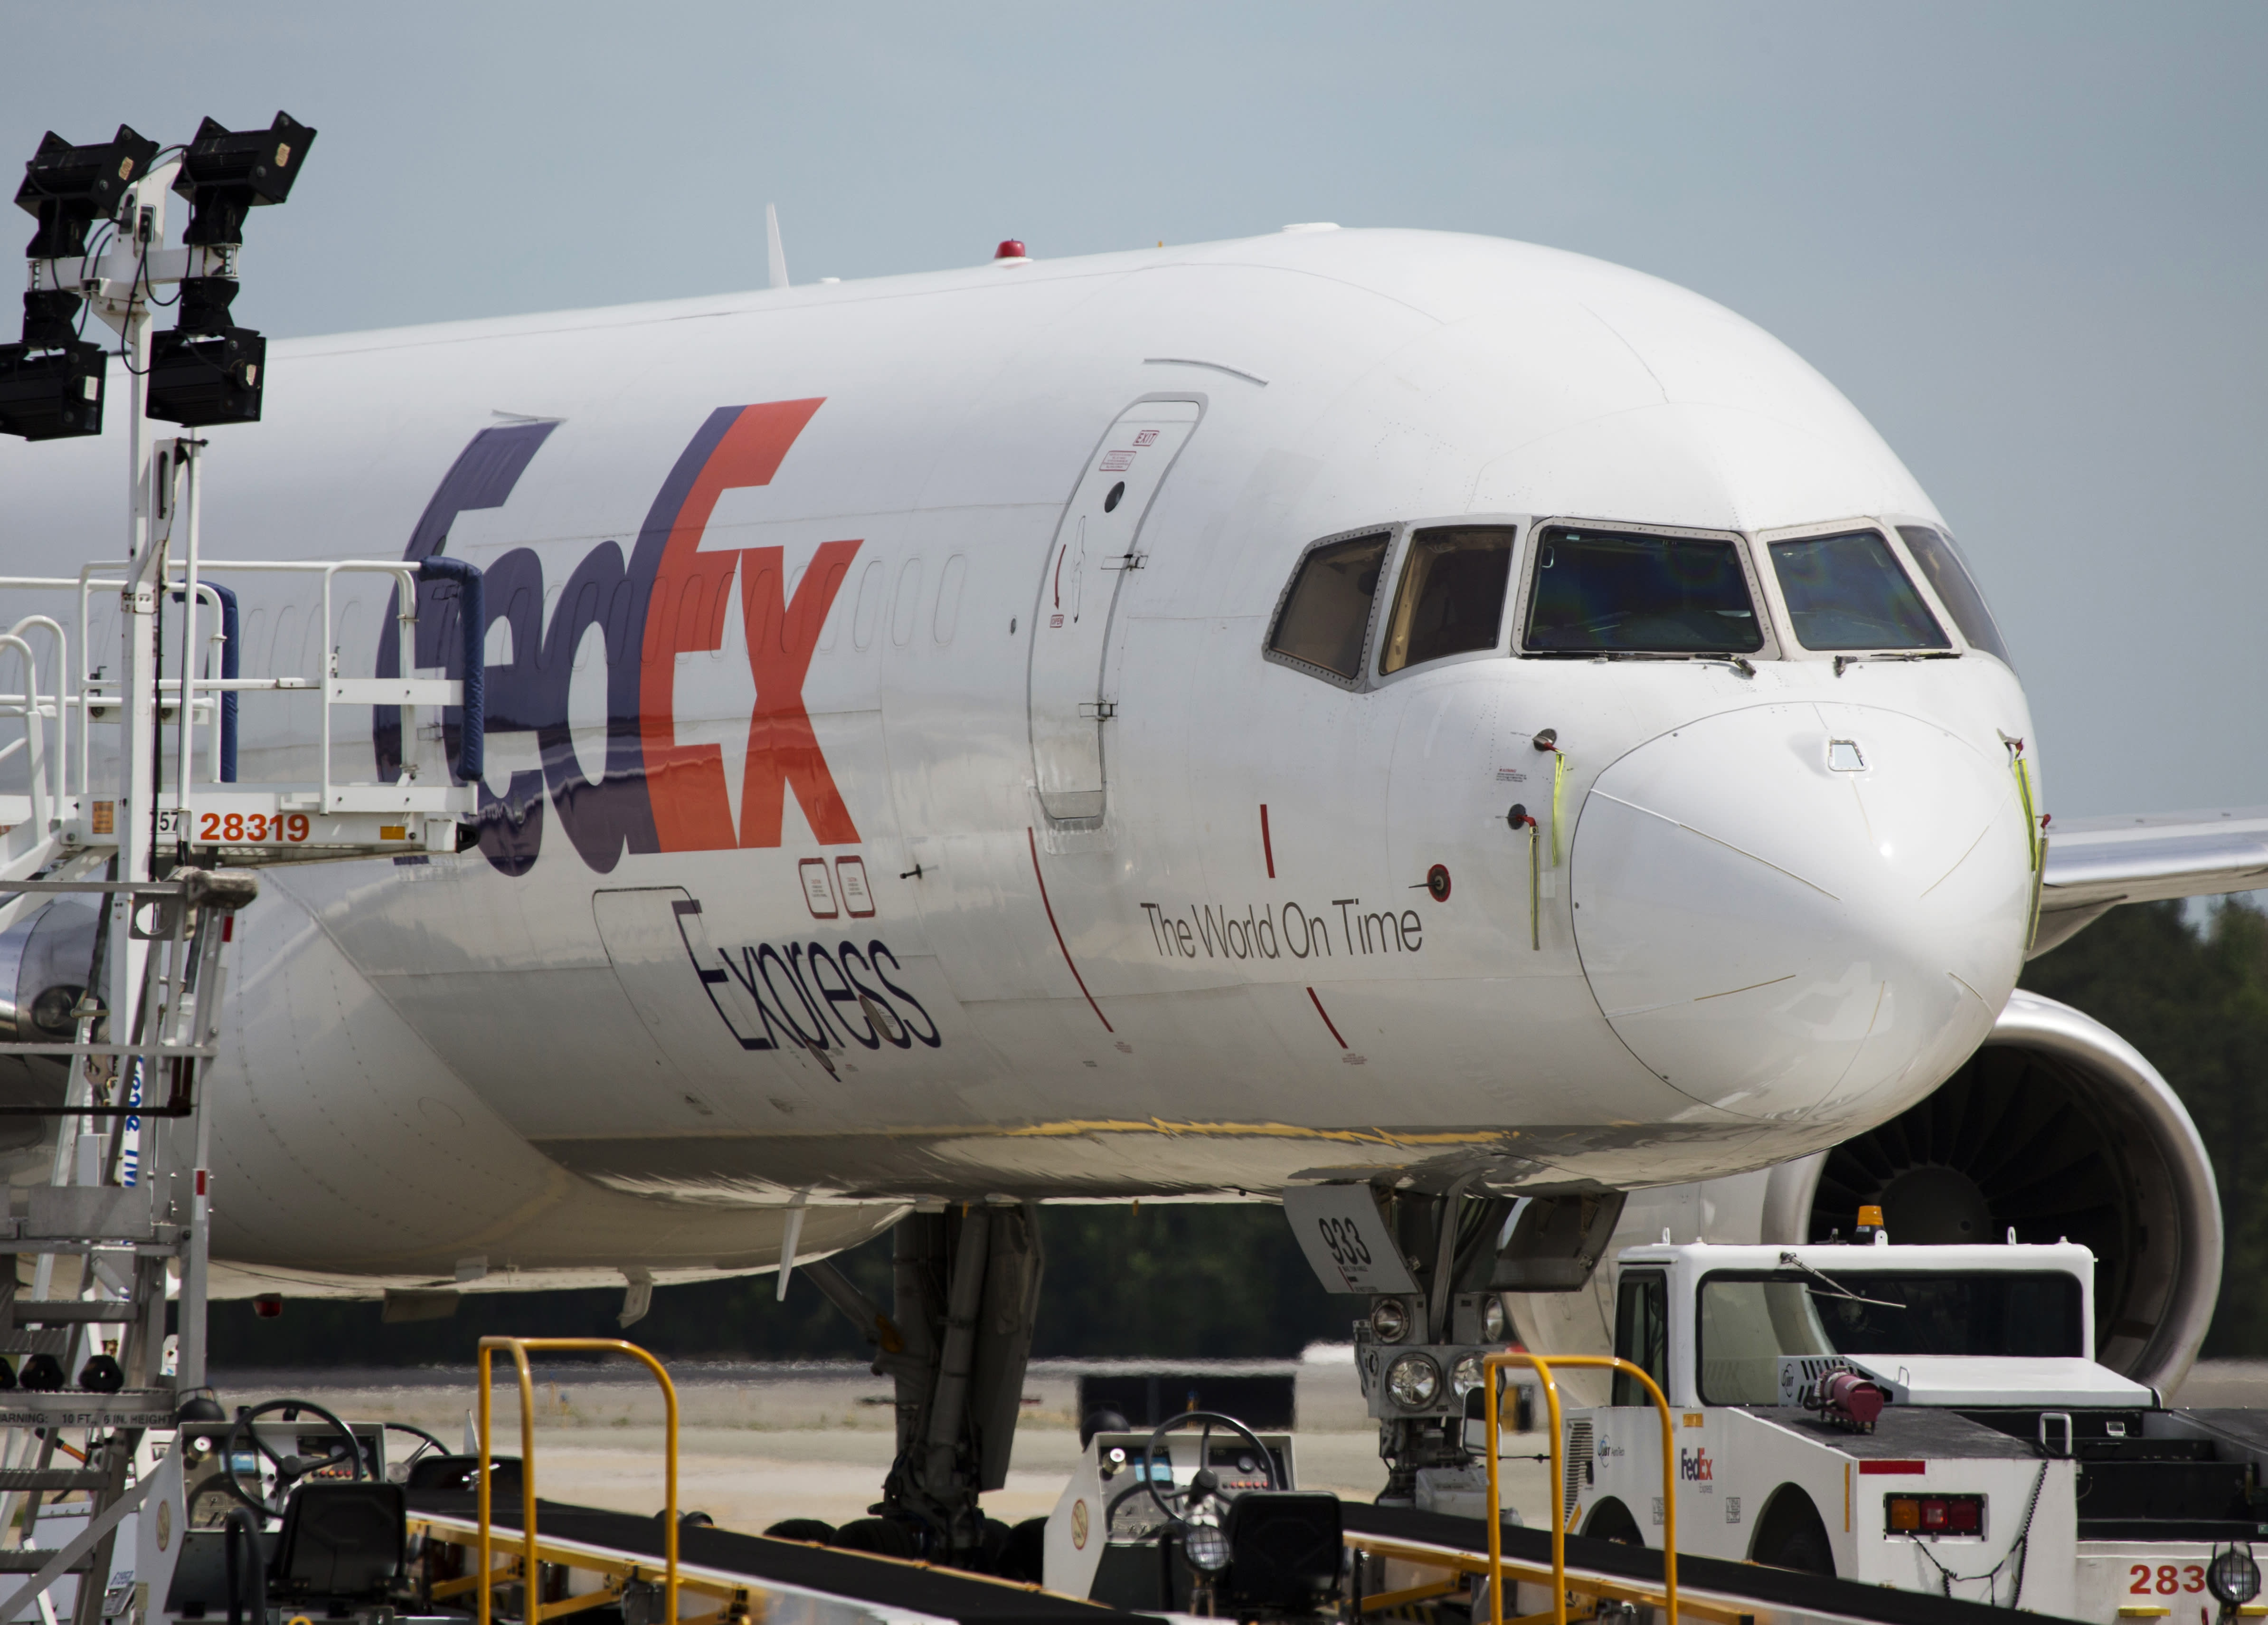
column 2056, row 1128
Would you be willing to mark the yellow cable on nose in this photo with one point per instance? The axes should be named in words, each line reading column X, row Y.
column 1535, row 889
column 2022, row 769
column 1558, row 803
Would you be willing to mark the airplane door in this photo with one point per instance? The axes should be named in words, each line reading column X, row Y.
column 1095, row 547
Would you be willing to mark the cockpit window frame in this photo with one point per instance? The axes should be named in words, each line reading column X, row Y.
column 1957, row 645
column 1396, row 533
column 1896, row 524
column 1771, row 614
column 1523, row 528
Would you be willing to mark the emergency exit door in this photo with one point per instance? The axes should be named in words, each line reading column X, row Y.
column 1096, row 545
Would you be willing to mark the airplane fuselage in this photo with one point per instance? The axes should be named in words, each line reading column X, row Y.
column 902, row 784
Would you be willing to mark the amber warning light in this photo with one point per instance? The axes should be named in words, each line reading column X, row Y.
column 1934, row 1515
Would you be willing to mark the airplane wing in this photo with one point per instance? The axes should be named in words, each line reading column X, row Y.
column 2094, row 864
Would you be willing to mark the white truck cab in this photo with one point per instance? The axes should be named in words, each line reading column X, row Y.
column 2004, row 1465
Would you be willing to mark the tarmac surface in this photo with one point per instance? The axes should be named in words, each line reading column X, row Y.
column 761, row 1442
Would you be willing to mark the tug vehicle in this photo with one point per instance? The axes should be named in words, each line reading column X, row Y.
column 1929, row 1418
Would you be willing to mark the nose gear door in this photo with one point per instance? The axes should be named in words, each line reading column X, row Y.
column 1094, row 546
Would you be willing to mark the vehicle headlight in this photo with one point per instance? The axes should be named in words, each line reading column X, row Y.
column 1414, row 1381
column 1465, row 1375
column 1206, row 1546
column 1390, row 1319
column 1493, row 1320
column 2232, row 1577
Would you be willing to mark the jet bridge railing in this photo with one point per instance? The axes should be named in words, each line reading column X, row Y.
column 255, row 820
column 204, row 806
column 485, row 1577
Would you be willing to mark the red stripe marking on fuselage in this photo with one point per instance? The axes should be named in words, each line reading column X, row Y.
column 1034, row 842
column 1267, row 846
column 1326, row 1014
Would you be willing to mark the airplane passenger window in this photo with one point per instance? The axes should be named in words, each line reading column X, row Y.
column 1451, row 599
column 1847, row 591
column 1601, row 592
column 1326, row 616
column 1956, row 589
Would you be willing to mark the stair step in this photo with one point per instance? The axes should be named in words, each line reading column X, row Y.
column 31, row 1560
column 73, row 1312
column 51, row 1477
column 132, row 1408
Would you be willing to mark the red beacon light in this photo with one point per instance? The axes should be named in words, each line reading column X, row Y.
column 1849, row 1401
column 1010, row 249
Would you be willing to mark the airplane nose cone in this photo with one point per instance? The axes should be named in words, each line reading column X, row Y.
column 1800, row 911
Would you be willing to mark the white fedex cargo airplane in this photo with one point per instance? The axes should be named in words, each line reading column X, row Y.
column 1380, row 709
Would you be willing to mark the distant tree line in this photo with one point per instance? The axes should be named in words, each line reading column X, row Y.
column 1210, row 1282
column 1228, row 1282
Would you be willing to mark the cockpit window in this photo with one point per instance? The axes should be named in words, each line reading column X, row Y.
column 1847, row 591
column 1326, row 616
column 1451, row 599
column 1956, row 589
column 1604, row 592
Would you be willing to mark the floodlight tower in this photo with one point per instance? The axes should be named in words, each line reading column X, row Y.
column 207, row 369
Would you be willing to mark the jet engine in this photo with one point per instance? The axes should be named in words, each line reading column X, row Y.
column 2055, row 1127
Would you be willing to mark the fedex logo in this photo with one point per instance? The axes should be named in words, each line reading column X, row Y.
column 812, row 995
column 667, row 597
column 1694, row 1467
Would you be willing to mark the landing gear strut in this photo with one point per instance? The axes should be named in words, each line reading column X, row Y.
column 956, row 1340
column 1434, row 1265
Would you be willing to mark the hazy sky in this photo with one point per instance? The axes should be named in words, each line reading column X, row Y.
column 2027, row 240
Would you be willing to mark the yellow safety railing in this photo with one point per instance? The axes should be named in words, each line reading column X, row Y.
column 1557, row 1612
column 531, row 1567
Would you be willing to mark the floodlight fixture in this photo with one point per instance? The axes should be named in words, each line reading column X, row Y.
column 225, row 173
column 68, row 188
column 51, row 382
column 207, row 369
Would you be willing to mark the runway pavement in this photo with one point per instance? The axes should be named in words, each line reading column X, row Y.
column 761, row 1442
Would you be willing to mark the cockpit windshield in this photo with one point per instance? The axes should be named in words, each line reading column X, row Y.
column 1748, row 1321
column 1601, row 593
column 1848, row 591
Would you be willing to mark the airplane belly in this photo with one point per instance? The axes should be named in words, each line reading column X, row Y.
column 349, row 1151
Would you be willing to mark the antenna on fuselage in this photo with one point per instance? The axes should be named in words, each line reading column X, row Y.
column 774, row 256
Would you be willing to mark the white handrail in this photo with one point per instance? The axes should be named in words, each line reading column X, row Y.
column 34, row 732
column 54, row 628
column 79, row 696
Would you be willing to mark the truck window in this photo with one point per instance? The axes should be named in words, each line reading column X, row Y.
column 1642, row 1333
column 1325, row 619
column 1847, row 591
column 1603, row 592
column 1451, row 599
column 1747, row 1322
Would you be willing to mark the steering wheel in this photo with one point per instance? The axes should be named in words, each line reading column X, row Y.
column 1204, row 1482
column 425, row 1442
column 289, row 1469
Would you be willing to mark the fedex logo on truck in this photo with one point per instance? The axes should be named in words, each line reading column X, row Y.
column 667, row 597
